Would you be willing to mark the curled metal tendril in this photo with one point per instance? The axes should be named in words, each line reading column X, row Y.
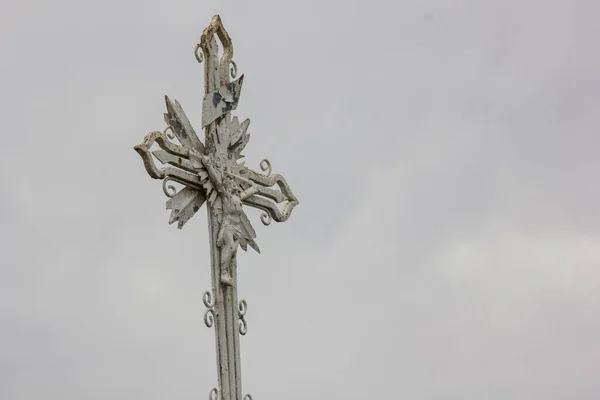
column 265, row 219
column 265, row 165
column 233, row 69
column 169, row 135
column 242, row 309
column 248, row 397
column 213, row 394
column 243, row 327
column 169, row 190
column 198, row 54
column 207, row 299
column 209, row 317
column 209, row 314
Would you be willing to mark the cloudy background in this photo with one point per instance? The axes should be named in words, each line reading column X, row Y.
column 445, row 153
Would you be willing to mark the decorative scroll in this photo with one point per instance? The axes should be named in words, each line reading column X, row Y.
column 242, row 309
column 209, row 314
column 214, row 394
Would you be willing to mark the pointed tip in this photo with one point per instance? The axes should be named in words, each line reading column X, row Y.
column 169, row 103
column 161, row 155
column 244, row 126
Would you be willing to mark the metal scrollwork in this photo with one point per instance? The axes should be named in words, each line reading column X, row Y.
column 248, row 397
column 213, row 394
column 170, row 135
column 209, row 314
column 169, row 190
column 233, row 69
column 207, row 299
column 209, row 317
column 265, row 165
column 198, row 53
column 242, row 309
column 265, row 219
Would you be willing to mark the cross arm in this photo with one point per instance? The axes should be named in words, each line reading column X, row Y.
column 259, row 193
column 271, row 209
column 248, row 192
column 169, row 147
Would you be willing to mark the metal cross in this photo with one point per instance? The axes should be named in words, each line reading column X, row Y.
column 212, row 173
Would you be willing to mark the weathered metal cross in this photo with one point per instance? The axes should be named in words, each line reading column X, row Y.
column 212, row 172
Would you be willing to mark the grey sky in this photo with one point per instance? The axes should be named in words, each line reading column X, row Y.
column 447, row 244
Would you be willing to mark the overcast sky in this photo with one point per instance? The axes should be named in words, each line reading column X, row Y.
column 445, row 154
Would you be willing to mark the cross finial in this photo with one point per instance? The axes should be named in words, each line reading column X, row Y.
column 211, row 172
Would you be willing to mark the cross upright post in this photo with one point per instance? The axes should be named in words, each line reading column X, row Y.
column 211, row 172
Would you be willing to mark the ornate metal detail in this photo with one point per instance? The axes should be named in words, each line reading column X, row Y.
column 198, row 53
column 212, row 172
column 265, row 219
column 185, row 162
column 169, row 190
column 242, row 309
column 209, row 314
column 169, row 132
column 233, row 69
column 265, row 165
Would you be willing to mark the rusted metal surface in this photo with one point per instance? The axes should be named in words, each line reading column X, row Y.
column 211, row 173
